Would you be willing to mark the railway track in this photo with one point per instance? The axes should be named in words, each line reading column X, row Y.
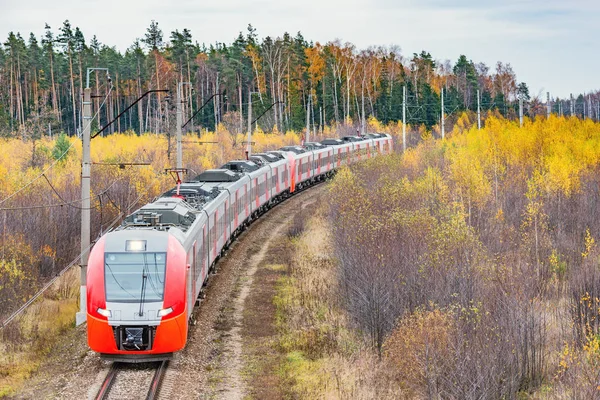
column 126, row 374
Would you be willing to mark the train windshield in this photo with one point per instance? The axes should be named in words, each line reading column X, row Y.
column 134, row 277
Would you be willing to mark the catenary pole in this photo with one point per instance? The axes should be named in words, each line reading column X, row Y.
column 248, row 144
column 307, row 137
column 478, row 111
column 81, row 316
column 443, row 128
column 178, row 123
column 404, row 118
column 572, row 106
column 521, row 111
column 86, row 170
column 179, row 108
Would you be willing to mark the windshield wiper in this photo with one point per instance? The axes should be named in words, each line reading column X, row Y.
column 143, row 292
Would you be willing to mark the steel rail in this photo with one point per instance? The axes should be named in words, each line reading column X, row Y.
column 108, row 381
column 157, row 380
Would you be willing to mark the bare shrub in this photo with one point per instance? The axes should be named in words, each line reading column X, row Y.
column 578, row 376
column 418, row 349
column 297, row 225
column 233, row 123
column 409, row 259
column 347, row 130
column 584, row 297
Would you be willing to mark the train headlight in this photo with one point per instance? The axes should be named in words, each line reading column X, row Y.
column 165, row 311
column 104, row 312
column 135, row 245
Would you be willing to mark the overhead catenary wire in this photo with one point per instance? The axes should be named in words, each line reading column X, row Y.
column 64, row 203
column 75, row 261
column 59, row 157
column 67, row 203
column 112, row 202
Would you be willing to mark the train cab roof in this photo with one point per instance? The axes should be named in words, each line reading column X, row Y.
column 332, row 142
column 294, row 149
column 241, row 166
column 164, row 213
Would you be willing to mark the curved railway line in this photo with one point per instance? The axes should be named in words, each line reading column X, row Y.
column 144, row 278
column 222, row 212
column 209, row 355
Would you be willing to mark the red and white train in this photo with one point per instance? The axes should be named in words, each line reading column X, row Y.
column 144, row 278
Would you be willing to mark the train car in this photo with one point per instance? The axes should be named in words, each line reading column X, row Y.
column 279, row 167
column 303, row 169
column 145, row 277
column 137, row 283
column 290, row 172
column 342, row 151
column 323, row 164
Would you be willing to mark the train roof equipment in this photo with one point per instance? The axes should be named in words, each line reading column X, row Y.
column 241, row 166
column 164, row 213
column 332, row 142
column 195, row 194
column 267, row 157
column 353, row 138
column 294, row 149
column 314, row 145
column 276, row 153
column 218, row 175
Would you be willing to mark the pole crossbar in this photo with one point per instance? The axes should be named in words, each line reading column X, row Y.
column 127, row 109
column 197, row 111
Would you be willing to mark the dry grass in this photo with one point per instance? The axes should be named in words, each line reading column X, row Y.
column 324, row 356
column 25, row 342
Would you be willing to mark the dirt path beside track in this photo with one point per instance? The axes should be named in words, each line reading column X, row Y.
column 219, row 357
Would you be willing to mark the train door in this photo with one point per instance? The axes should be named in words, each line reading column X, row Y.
column 292, row 173
column 204, row 252
column 319, row 165
column 266, row 188
column 191, row 281
column 215, row 236
column 226, row 222
column 255, row 192
column 246, row 199
column 237, row 208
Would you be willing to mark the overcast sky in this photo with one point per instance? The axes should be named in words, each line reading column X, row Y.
column 552, row 45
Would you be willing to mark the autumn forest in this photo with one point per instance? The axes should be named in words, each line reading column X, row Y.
column 42, row 81
column 464, row 267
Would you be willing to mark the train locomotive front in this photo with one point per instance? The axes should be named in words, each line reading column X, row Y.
column 136, row 295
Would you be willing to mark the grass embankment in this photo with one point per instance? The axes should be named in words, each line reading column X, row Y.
column 26, row 341
column 322, row 357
